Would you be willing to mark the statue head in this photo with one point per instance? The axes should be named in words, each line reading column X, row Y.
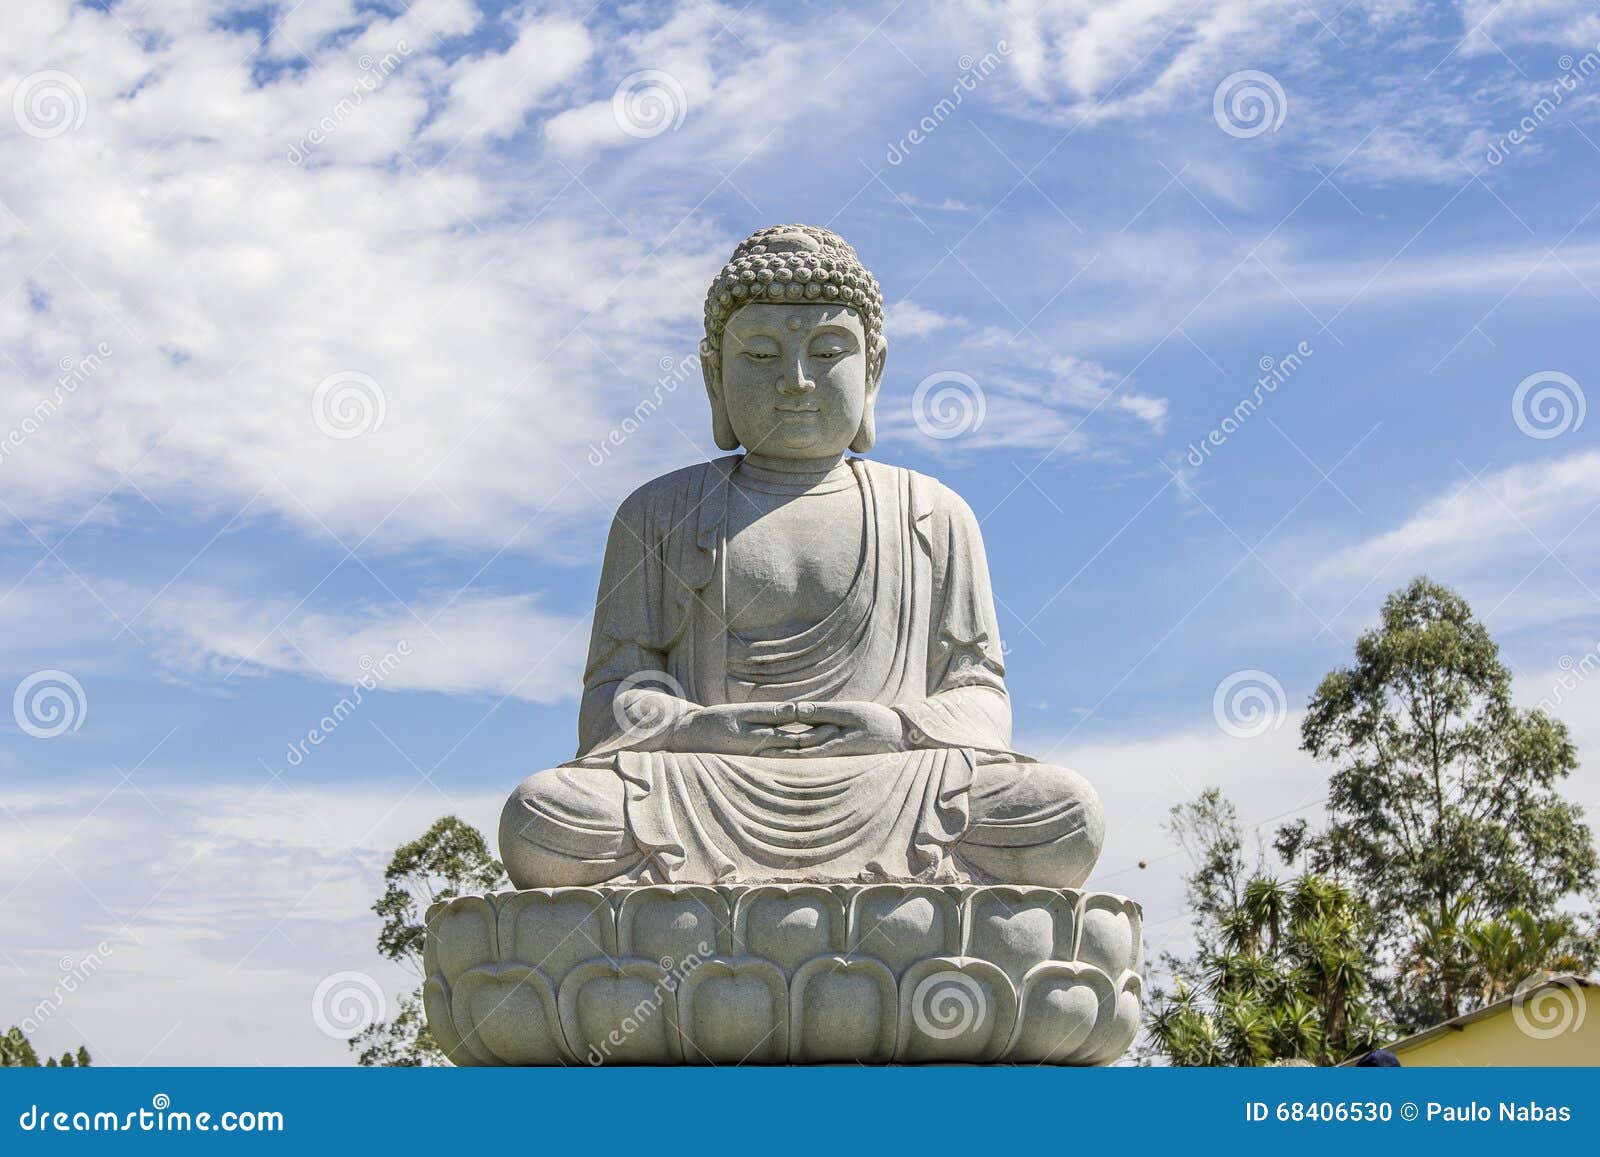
column 794, row 348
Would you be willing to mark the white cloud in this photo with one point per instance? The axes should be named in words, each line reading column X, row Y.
column 1159, row 278
column 227, row 283
column 484, row 290
column 222, row 909
column 1492, row 520
column 1085, row 63
column 468, row 644
column 705, row 80
column 1140, row 780
column 1558, row 23
column 1022, row 395
column 907, row 319
column 1131, row 58
column 943, row 205
column 490, row 95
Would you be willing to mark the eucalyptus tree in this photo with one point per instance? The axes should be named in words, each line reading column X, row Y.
column 1443, row 800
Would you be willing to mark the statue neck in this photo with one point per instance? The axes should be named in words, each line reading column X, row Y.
column 794, row 475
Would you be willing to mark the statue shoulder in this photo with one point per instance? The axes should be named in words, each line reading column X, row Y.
column 930, row 498
column 685, row 485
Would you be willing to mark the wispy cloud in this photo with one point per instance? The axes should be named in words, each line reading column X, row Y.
column 1485, row 520
column 470, row 644
column 224, row 904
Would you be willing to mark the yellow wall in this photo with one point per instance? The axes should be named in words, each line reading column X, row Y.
column 1497, row 1040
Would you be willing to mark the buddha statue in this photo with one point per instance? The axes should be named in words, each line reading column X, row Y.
column 795, row 672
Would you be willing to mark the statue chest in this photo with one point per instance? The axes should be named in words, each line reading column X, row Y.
column 791, row 559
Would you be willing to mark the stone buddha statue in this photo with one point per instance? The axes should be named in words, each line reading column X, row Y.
column 795, row 673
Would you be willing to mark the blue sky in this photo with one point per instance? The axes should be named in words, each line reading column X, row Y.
column 236, row 230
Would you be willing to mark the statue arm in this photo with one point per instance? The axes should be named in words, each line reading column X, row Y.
column 626, row 649
column 967, row 704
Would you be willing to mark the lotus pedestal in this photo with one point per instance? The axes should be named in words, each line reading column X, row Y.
column 784, row 973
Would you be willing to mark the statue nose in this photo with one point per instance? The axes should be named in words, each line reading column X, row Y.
column 794, row 380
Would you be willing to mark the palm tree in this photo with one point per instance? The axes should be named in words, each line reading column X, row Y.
column 1286, row 978
column 1502, row 954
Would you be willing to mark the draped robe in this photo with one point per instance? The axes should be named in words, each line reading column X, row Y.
column 916, row 632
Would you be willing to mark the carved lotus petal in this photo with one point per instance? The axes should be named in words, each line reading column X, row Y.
column 508, row 1012
column 788, row 924
column 1018, row 928
column 1117, row 1027
column 955, row 1009
column 673, row 924
column 621, row 1012
column 734, row 1012
column 842, row 1008
column 557, row 929
column 1060, row 1008
column 1109, row 935
column 461, row 936
column 901, row 923
column 436, row 1003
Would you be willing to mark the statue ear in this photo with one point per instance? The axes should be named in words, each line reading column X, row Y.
column 867, row 434
column 711, row 369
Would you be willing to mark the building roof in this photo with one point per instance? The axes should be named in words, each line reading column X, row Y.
column 1459, row 1023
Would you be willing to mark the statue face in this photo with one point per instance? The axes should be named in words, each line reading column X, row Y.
column 795, row 377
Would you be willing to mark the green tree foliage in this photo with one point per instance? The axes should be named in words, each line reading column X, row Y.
column 16, row 1052
column 450, row 859
column 1443, row 802
column 1507, row 952
column 1488, row 960
column 401, row 1042
column 1280, row 971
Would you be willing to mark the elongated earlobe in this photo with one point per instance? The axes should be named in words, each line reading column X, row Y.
column 867, row 434
column 721, row 428
column 710, row 369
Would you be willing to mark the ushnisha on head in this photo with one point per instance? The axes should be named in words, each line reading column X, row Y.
column 794, row 347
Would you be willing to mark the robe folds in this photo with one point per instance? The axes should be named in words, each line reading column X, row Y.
column 916, row 632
